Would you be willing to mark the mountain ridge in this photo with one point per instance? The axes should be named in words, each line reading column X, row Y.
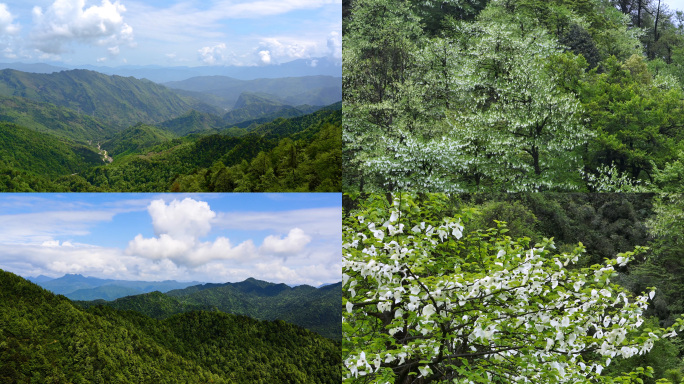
column 46, row 338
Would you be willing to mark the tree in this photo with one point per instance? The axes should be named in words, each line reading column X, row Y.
column 379, row 42
column 426, row 303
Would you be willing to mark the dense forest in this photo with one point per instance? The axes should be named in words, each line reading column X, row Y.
column 317, row 310
column 84, row 131
column 45, row 338
column 509, row 96
column 625, row 248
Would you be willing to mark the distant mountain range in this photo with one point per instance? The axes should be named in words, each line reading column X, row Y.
column 79, row 287
column 316, row 309
column 225, row 92
column 302, row 67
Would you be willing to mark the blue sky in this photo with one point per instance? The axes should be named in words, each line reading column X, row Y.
column 169, row 33
column 288, row 238
column 675, row 4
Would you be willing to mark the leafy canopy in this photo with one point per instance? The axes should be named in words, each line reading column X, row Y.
column 425, row 300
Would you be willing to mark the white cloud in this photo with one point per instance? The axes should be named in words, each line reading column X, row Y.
column 213, row 55
column 278, row 50
column 326, row 222
column 67, row 21
column 157, row 248
column 45, row 226
column 294, row 242
column 181, row 219
column 6, row 19
column 179, row 226
column 335, row 45
column 265, row 57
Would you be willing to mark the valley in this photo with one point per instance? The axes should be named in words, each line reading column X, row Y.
column 80, row 130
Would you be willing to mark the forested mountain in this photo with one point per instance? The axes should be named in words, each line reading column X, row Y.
column 41, row 154
column 225, row 91
column 513, row 96
column 301, row 153
column 58, row 121
column 193, row 122
column 136, row 139
column 120, row 101
column 78, row 287
column 297, row 154
column 45, row 338
column 316, row 309
column 157, row 140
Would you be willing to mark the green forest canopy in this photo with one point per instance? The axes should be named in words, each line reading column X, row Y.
column 504, row 95
column 45, row 338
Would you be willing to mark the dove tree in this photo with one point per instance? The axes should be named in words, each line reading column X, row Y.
column 425, row 302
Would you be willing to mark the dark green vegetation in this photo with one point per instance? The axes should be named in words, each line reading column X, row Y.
column 315, row 309
column 49, row 118
column 297, row 154
column 78, row 287
column 38, row 153
column 121, row 101
column 68, row 127
column 44, row 338
column 514, row 96
column 606, row 224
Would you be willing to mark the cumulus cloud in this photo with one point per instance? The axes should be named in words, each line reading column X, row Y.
column 265, row 57
column 180, row 225
column 294, row 242
column 67, row 21
column 213, row 55
column 181, row 219
column 275, row 51
column 335, row 45
column 6, row 21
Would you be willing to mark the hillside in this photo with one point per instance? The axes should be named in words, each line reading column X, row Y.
column 135, row 139
column 313, row 142
column 42, row 154
column 51, row 119
column 120, row 101
column 193, row 122
column 308, row 307
column 45, row 338
column 316, row 309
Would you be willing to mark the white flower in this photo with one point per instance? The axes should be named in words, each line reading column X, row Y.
column 428, row 310
column 350, row 306
column 424, row 371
